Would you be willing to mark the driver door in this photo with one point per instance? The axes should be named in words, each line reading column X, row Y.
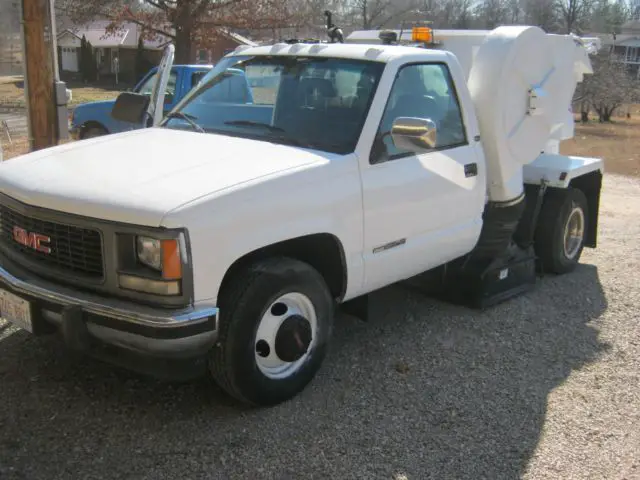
column 421, row 208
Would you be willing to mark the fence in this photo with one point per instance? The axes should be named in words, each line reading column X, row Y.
column 11, row 62
column 11, row 55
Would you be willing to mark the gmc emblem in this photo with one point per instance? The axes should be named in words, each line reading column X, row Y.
column 32, row 240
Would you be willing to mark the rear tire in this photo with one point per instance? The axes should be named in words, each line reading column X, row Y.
column 260, row 358
column 561, row 230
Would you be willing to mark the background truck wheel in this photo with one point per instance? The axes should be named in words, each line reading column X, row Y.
column 92, row 131
column 561, row 230
column 276, row 318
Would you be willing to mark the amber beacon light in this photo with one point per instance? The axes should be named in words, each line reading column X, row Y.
column 422, row 34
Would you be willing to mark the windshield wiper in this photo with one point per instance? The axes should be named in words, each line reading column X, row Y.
column 188, row 118
column 272, row 128
column 249, row 123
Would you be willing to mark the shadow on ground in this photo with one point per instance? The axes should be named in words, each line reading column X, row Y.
column 425, row 389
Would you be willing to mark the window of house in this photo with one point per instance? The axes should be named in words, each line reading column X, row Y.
column 203, row 56
column 422, row 91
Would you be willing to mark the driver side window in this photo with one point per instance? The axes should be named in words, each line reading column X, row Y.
column 423, row 91
column 147, row 87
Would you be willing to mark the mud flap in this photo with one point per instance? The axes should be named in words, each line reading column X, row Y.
column 508, row 276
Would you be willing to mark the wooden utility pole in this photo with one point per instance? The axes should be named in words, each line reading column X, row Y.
column 39, row 75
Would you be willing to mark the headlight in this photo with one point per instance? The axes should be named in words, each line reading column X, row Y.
column 163, row 256
column 149, row 251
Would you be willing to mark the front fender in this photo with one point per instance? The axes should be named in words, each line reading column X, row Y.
column 98, row 113
column 223, row 230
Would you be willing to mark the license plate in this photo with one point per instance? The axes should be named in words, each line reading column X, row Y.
column 15, row 310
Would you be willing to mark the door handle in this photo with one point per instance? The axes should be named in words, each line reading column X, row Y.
column 471, row 170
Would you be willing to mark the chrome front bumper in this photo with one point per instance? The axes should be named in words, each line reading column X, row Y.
column 85, row 318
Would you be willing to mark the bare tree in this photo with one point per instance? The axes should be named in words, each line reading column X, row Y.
column 542, row 13
column 448, row 13
column 575, row 14
column 610, row 87
column 493, row 13
column 514, row 11
column 608, row 16
column 459, row 13
column 372, row 14
column 188, row 23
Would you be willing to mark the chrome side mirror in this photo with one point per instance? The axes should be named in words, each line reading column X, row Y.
column 414, row 134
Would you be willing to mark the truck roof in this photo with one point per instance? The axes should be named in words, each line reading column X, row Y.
column 196, row 66
column 372, row 52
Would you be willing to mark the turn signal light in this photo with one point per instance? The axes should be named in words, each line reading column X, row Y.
column 171, row 262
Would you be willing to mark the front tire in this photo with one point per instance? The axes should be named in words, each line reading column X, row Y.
column 92, row 132
column 561, row 230
column 275, row 324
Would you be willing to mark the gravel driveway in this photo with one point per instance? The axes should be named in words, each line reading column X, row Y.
column 544, row 386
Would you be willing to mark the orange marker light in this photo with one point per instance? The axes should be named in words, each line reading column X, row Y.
column 171, row 263
column 421, row 34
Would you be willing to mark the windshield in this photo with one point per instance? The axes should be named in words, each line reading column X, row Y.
column 313, row 102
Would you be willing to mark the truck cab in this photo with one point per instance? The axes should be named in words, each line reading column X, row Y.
column 94, row 119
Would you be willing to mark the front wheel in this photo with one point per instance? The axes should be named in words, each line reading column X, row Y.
column 275, row 324
column 92, row 132
column 561, row 230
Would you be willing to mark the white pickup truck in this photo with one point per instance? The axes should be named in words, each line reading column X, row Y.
column 226, row 235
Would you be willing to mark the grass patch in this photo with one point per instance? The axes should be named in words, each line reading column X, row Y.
column 20, row 146
column 618, row 143
column 12, row 92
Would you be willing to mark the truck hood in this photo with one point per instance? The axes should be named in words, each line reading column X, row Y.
column 92, row 107
column 138, row 177
column 96, row 104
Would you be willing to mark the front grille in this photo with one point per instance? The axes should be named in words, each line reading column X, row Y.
column 73, row 250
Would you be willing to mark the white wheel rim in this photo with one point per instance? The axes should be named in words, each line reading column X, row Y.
column 573, row 233
column 285, row 306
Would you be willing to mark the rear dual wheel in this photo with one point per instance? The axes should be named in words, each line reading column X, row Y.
column 276, row 318
column 561, row 230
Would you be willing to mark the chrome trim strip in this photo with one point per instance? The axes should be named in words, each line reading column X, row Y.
column 154, row 318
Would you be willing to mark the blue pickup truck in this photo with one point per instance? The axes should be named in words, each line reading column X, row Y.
column 93, row 119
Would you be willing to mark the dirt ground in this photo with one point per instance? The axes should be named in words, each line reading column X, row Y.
column 542, row 387
column 617, row 143
column 19, row 146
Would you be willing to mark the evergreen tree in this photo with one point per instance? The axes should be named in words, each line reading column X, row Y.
column 140, row 68
column 83, row 58
column 92, row 69
column 608, row 16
